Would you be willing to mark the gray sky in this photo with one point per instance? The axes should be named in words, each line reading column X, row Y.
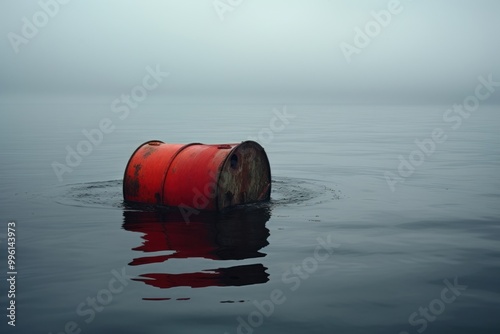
column 431, row 51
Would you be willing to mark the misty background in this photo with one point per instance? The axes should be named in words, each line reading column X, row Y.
column 279, row 51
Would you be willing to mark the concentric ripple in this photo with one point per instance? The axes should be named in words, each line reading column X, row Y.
column 108, row 194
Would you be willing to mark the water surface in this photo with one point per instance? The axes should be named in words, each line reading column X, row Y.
column 85, row 257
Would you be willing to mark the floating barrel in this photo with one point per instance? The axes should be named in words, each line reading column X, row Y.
column 204, row 177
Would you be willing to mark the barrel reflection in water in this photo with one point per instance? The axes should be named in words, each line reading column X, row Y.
column 238, row 234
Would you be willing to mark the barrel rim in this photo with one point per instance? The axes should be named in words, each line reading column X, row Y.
column 223, row 163
column 130, row 159
column 268, row 165
column 219, row 174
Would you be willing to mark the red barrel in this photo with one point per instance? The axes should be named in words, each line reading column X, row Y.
column 204, row 177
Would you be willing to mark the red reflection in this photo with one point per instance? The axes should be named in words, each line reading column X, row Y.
column 235, row 235
column 234, row 276
column 240, row 234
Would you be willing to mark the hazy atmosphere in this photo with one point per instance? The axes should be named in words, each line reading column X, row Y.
column 281, row 51
column 249, row 166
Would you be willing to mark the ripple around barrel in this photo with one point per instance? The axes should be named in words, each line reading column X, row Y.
column 108, row 194
column 103, row 194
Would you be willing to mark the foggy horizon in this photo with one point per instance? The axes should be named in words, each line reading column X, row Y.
column 256, row 51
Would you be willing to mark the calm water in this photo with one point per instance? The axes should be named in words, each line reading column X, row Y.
column 337, row 251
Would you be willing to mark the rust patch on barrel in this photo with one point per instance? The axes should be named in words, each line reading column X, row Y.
column 132, row 185
column 245, row 177
column 149, row 149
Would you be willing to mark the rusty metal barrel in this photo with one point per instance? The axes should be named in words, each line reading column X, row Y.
column 199, row 176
